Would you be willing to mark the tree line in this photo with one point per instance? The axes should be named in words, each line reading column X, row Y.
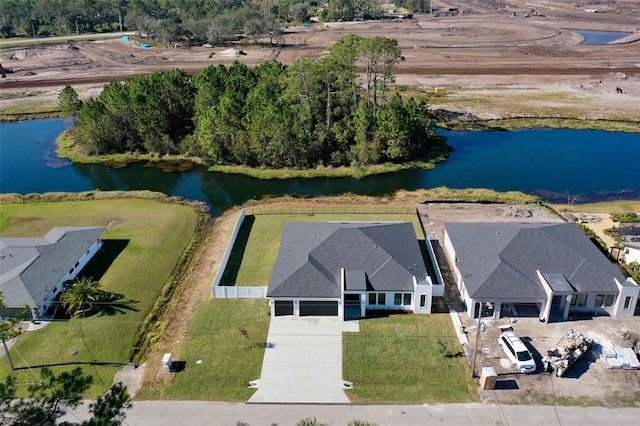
column 310, row 113
column 215, row 21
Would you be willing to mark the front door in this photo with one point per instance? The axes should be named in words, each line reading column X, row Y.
column 352, row 308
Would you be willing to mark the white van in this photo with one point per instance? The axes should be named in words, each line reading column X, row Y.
column 516, row 351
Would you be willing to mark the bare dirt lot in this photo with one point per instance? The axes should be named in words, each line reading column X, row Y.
column 482, row 56
column 589, row 382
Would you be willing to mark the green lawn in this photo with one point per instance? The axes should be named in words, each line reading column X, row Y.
column 403, row 358
column 230, row 358
column 406, row 359
column 142, row 246
column 256, row 247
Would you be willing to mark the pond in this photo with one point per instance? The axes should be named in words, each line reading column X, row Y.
column 584, row 165
column 600, row 37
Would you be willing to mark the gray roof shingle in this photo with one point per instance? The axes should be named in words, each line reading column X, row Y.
column 31, row 267
column 500, row 260
column 311, row 256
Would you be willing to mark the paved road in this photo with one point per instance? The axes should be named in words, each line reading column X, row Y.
column 198, row 413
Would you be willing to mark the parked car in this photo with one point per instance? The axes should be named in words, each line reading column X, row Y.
column 516, row 351
column 207, row 45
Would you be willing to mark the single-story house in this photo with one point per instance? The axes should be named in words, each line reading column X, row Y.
column 629, row 233
column 631, row 252
column 546, row 269
column 344, row 269
column 34, row 271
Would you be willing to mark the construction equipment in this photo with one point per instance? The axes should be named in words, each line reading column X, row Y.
column 570, row 349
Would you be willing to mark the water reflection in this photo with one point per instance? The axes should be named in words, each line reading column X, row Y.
column 549, row 163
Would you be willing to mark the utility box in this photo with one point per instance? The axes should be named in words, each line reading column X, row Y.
column 488, row 378
column 166, row 363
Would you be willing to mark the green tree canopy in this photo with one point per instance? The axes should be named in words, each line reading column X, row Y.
column 80, row 296
column 307, row 114
column 50, row 396
column 69, row 103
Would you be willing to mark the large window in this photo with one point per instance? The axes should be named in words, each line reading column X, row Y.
column 608, row 300
column 397, row 299
column 578, row 300
column 377, row 298
column 604, row 300
column 406, row 300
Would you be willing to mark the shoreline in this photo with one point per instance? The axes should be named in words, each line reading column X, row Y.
column 66, row 149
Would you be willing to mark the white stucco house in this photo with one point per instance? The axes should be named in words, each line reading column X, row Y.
column 550, row 270
column 631, row 252
column 344, row 269
column 34, row 271
column 630, row 235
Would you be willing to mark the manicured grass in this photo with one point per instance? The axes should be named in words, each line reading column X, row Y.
column 406, row 359
column 142, row 246
column 256, row 247
column 230, row 358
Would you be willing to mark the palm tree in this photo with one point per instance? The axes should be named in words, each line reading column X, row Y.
column 80, row 296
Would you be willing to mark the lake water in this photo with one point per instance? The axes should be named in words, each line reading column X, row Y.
column 600, row 37
column 554, row 164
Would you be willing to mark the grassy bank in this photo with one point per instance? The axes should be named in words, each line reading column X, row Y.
column 68, row 149
column 517, row 107
column 540, row 122
column 620, row 206
column 332, row 172
column 30, row 111
column 143, row 245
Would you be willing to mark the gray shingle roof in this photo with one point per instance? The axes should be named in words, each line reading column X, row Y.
column 31, row 267
column 500, row 260
column 311, row 256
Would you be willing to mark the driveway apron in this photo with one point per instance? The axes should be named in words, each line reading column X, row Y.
column 303, row 361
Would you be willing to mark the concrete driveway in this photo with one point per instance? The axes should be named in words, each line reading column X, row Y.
column 303, row 361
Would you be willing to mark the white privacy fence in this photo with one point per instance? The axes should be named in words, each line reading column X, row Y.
column 231, row 292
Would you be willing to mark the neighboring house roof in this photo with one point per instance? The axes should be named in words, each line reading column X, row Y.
column 31, row 267
column 312, row 255
column 630, row 234
column 501, row 260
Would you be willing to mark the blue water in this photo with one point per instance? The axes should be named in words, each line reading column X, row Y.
column 553, row 164
column 600, row 37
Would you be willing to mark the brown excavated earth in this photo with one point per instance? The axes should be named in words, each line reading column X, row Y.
column 484, row 46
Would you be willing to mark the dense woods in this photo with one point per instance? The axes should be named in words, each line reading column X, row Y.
column 215, row 21
column 310, row 113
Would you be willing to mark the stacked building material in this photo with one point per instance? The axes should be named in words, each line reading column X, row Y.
column 621, row 358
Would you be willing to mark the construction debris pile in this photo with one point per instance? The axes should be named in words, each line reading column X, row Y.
column 573, row 346
column 621, row 358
